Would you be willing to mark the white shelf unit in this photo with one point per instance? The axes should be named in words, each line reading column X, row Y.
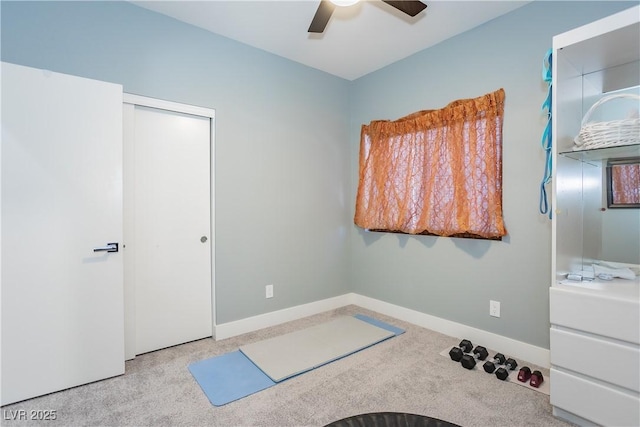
column 595, row 325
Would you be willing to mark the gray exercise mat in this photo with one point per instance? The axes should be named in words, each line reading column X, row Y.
column 297, row 352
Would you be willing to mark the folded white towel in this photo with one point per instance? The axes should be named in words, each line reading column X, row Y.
column 608, row 272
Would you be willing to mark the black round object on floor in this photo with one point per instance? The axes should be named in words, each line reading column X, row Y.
column 390, row 419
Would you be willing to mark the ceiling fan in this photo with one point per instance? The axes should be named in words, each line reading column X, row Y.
column 326, row 8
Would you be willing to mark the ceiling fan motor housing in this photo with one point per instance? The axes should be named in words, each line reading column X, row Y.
column 326, row 8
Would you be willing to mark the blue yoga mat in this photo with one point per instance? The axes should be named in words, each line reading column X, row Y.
column 229, row 377
column 232, row 376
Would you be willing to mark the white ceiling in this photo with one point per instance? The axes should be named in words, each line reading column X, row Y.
column 357, row 40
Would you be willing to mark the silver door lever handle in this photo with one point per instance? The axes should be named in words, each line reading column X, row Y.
column 111, row 247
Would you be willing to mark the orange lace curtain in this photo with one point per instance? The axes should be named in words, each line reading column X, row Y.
column 435, row 172
column 625, row 184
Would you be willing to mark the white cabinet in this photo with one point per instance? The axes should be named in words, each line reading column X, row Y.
column 595, row 324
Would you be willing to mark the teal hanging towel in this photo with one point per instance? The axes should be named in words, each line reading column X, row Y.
column 545, row 207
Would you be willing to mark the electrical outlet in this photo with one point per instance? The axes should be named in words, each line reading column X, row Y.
column 494, row 308
column 269, row 291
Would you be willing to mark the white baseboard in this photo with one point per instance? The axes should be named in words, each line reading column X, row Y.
column 510, row 347
column 254, row 323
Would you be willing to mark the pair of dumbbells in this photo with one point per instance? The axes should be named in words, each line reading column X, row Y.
column 535, row 378
column 468, row 361
column 503, row 372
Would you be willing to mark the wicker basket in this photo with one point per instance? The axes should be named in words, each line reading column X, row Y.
column 608, row 134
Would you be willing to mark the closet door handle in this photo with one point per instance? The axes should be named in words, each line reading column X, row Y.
column 111, row 247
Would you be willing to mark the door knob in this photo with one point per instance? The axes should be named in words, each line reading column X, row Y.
column 111, row 247
column 203, row 239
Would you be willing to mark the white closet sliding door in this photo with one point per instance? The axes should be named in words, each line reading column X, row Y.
column 168, row 227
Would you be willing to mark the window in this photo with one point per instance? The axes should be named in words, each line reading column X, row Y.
column 435, row 172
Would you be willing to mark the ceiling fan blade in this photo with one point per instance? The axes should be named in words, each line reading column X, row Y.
column 411, row 8
column 321, row 18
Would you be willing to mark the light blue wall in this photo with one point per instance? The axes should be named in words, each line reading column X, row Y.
column 286, row 154
column 455, row 278
column 282, row 162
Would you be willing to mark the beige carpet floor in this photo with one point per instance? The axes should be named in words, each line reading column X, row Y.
column 403, row 374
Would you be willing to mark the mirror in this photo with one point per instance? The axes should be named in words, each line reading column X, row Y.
column 611, row 224
column 623, row 183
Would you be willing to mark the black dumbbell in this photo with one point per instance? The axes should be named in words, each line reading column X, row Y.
column 469, row 360
column 525, row 374
column 491, row 365
column 503, row 373
column 456, row 353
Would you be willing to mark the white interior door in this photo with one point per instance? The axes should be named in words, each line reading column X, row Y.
column 169, row 241
column 62, row 303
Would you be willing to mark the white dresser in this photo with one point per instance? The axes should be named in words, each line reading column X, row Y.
column 595, row 353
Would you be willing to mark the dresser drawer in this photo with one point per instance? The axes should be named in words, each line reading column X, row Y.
column 607, row 361
column 609, row 317
column 594, row 401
